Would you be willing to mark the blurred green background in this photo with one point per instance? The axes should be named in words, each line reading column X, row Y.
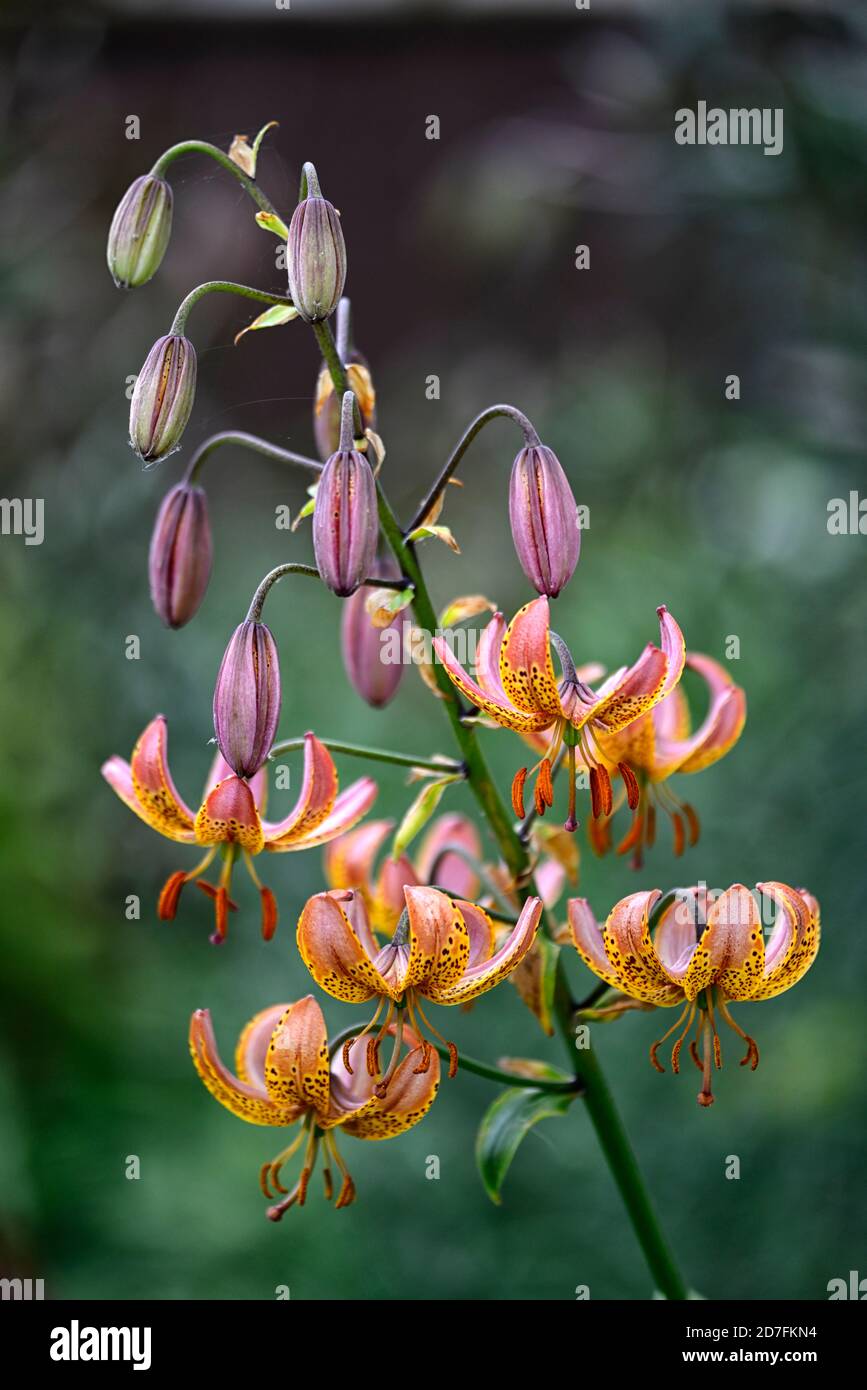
column 556, row 130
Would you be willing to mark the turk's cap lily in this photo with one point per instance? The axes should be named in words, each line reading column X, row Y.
column 705, row 951
column 516, row 685
column 230, row 815
column 350, row 862
column 285, row 1075
column 443, row 948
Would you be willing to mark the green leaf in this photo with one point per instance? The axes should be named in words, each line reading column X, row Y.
column 419, row 813
column 272, row 223
column 383, row 605
column 507, row 1122
column 272, row 318
column 440, row 533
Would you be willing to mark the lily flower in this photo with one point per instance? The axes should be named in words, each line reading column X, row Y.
column 229, row 818
column 350, row 863
column 660, row 744
column 706, row 952
column 442, row 950
column 285, row 1077
column 516, row 686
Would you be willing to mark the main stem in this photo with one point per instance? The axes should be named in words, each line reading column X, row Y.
column 600, row 1102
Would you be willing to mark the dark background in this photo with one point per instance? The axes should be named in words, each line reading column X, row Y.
column 556, row 129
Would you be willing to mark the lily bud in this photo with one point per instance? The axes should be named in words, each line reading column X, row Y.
column 179, row 564
column 139, row 232
column 544, row 518
column 247, row 698
column 163, row 398
column 345, row 521
column 365, row 647
column 326, row 406
column 315, row 259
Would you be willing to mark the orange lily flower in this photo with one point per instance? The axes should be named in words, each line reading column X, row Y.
column 442, row 950
column 517, row 687
column 285, row 1077
column 350, row 863
column 660, row 744
column 706, row 951
column 229, row 817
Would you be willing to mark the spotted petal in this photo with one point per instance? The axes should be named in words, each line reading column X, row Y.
column 439, row 943
column 296, row 1062
column 731, row 951
column 526, row 668
column 246, row 1099
column 146, row 785
column 496, row 704
column 794, row 941
column 720, row 729
column 409, row 1097
column 346, row 811
column 589, row 944
column 317, row 796
column 631, row 693
column 334, row 953
column 628, row 946
column 229, row 815
column 477, row 979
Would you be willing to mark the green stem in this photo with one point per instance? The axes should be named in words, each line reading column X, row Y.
column 375, row 755
column 222, row 287
column 202, row 147
column 493, row 412
column 247, row 441
column 600, row 1103
column 257, row 602
column 485, row 1069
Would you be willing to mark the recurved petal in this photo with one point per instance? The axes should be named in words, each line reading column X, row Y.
column 346, row 812
column 333, row 953
column 450, row 871
column 318, row 793
column 731, row 952
column 220, row 770
column 439, row 942
column 498, row 707
column 476, row 979
column 628, row 946
column 229, row 814
column 296, row 1063
column 794, row 941
column 480, row 929
column 526, row 668
column 247, row 1101
column 631, row 693
column 720, row 729
column 253, row 1045
column 589, row 944
column 158, row 799
column 349, row 858
column 410, row 1095
column 676, row 935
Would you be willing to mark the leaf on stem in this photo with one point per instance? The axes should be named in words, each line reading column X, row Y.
column 419, row 813
column 242, row 153
column 383, row 605
column 272, row 318
column 535, row 980
column 272, row 223
column 508, row 1121
column 440, row 533
column 470, row 606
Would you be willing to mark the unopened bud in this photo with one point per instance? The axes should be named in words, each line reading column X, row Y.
column 315, row 259
column 140, row 231
column 366, row 647
column 247, row 698
column 163, row 398
column 179, row 564
column 544, row 518
column 345, row 521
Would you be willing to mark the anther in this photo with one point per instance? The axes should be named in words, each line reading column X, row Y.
column 518, row 792
column 630, row 782
column 167, row 904
column 269, row 914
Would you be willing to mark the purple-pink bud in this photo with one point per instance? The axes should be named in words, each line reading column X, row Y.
column 372, row 656
column 315, row 259
column 247, row 698
column 162, row 398
column 345, row 521
column 179, row 564
column 544, row 517
column 140, row 231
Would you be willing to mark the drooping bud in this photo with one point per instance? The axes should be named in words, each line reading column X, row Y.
column 247, row 698
column 326, row 406
column 163, row 398
column 139, row 232
column 345, row 520
column 179, row 564
column 372, row 656
column 544, row 518
column 315, row 255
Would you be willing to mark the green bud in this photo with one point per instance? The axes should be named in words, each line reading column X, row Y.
column 140, row 231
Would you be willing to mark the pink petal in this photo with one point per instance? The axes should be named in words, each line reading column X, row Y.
column 453, row 874
column 347, row 811
column 318, row 793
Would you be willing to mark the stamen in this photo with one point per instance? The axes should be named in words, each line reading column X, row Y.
column 679, row 839
column 692, row 821
column 518, row 792
column 350, row 1042
column 654, row 1047
column 630, row 781
column 347, row 1190
column 452, row 1049
column 650, row 835
column 546, row 783
column 167, row 903
column 272, row 1170
column 269, row 902
column 717, row 1049
column 373, row 1045
column 595, row 795
column 424, row 1065
column 705, row 1096
column 751, row 1058
column 381, row 1088
column 327, row 1183
column 633, row 834
column 675, row 1051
